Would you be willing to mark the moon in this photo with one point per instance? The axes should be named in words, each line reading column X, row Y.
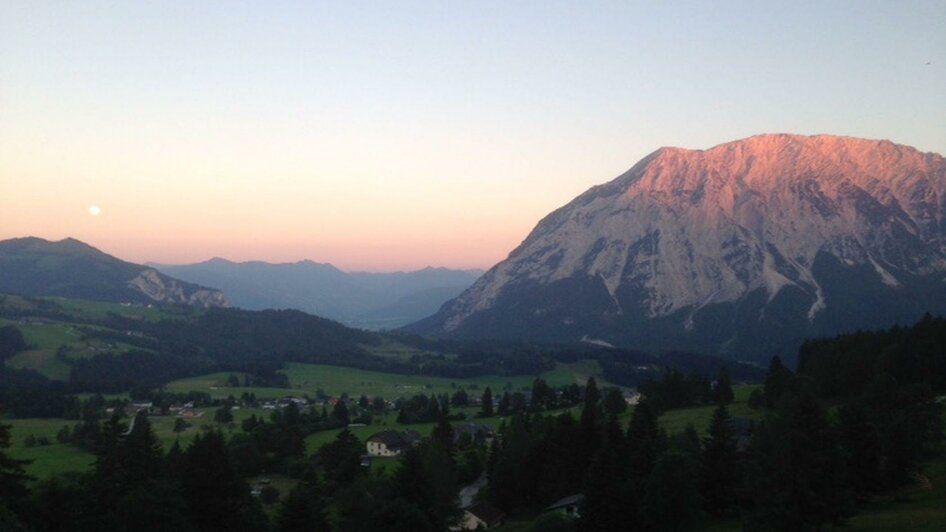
column 95, row 210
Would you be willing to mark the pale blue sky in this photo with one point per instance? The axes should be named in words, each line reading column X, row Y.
column 385, row 135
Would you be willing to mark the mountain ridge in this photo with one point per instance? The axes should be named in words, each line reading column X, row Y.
column 71, row 268
column 360, row 299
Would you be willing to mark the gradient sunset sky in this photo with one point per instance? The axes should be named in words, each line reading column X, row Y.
column 395, row 135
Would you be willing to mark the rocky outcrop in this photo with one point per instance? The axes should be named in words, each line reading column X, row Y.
column 164, row 289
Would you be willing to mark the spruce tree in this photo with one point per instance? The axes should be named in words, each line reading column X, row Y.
column 301, row 511
column 217, row 497
column 443, row 432
column 720, row 468
column 340, row 412
column 777, row 382
column 644, row 441
column 426, row 479
column 610, row 499
column 796, row 477
column 486, row 403
column 672, row 497
column 13, row 478
column 143, row 456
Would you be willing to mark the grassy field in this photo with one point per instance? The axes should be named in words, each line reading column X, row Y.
column 62, row 458
column 47, row 336
column 101, row 309
column 44, row 362
column 47, row 459
column 676, row 421
column 334, row 381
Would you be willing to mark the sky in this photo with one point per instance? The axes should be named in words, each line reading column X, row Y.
column 390, row 136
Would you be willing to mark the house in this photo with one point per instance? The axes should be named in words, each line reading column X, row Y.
column 391, row 442
column 481, row 515
column 567, row 506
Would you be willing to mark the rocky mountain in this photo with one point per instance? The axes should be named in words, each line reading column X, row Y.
column 70, row 268
column 360, row 299
column 743, row 249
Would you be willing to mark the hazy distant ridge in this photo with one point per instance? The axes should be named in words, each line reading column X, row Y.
column 363, row 299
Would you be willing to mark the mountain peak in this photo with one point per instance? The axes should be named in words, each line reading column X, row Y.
column 768, row 229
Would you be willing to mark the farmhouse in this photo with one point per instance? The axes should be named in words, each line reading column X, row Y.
column 481, row 515
column 391, row 443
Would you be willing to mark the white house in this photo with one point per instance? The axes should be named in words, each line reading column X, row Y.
column 390, row 442
column 481, row 515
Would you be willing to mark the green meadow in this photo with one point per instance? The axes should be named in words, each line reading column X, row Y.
column 335, row 381
column 62, row 458
column 47, row 336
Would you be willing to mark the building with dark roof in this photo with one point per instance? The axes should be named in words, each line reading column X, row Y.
column 391, row 442
column 481, row 515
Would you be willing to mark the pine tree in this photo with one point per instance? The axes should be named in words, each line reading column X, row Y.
column 217, row 498
column 505, row 402
column 301, row 511
column 720, row 468
column 486, row 403
column 592, row 395
column 864, row 450
column 614, row 403
column 777, row 382
column 796, row 471
column 610, row 499
column 13, row 478
column 426, row 479
column 672, row 498
column 340, row 412
column 110, row 461
column 590, row 419
column 341, row 459
column 644, row 441
column 143, row 456
column 443, row 432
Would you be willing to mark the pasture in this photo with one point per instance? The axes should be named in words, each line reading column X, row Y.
column 307, row 379
column 47, row 337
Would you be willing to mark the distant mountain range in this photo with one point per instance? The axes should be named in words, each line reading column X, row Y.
column 359, row 299
column 744, row 249
column 70, row 268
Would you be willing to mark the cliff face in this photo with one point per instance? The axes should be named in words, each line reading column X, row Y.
column 164, row 289
column 744, row 248
column 70, row 268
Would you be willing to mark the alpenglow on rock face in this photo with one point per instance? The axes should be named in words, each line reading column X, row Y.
column 742, row 249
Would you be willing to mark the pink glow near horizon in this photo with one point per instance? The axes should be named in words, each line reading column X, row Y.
column 405, row 135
